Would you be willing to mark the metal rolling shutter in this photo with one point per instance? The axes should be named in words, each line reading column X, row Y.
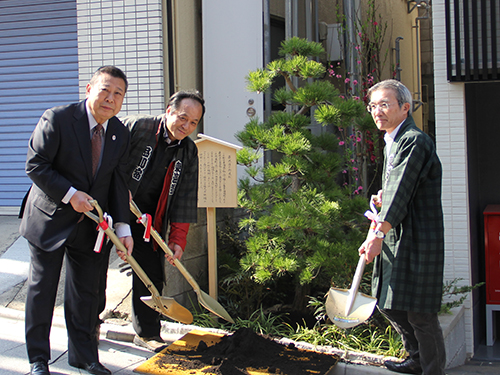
column 38, row 70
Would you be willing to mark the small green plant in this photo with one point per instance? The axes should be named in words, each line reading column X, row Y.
column 375, row 336
column 367, row 337
column 259, row 322
column 262, row 323
column 451, row 290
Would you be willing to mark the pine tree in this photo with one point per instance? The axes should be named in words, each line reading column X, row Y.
column 301, row 223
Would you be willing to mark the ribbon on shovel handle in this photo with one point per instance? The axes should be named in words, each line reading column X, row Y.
column 101, row 229
column 372, row 213
column 146, row 220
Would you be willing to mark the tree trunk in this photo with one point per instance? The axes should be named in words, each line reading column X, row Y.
column 299, row 301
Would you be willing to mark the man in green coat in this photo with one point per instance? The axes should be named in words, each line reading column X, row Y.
column 407, row 242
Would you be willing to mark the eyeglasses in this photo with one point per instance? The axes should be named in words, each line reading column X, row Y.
column 371, row 107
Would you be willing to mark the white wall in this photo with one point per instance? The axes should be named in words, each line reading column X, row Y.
column 232, row 46
column 452, row 150
column 128, row 34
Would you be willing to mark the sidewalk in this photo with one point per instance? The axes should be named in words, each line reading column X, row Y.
column 116, row 350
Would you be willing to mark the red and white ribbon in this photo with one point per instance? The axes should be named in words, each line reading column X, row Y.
column 101, row 228
column 372, row 214
column 146, row 220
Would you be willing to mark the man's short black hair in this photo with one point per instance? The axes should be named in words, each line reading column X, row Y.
column 113, row 71
column 175, row 99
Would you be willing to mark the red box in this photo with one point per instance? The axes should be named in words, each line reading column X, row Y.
column 492, row 253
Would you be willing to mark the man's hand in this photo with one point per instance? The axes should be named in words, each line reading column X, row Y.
column 377, row 199
column 371, row 248
column 177, row 250
column 80, row 202
column 128, row 242
column 373, row 245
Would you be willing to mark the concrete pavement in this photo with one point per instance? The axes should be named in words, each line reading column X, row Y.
column 116, row 350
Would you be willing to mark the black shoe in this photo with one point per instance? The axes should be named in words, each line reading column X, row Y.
column 409, row 366
column 39, row 368
column 93, row 368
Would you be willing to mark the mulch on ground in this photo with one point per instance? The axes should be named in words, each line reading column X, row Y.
column 246, row 352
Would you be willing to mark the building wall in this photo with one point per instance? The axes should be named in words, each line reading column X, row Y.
column 128, row 34
column 38, row 70
column 228, row 57
column 400, row 23
column 427, row 66
column 187, row 37
column 125, row 33
column 451, row 147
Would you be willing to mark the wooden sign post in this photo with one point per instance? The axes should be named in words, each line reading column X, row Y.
column 217, row 187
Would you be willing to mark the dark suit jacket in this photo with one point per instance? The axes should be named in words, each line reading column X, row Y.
column 59, row 156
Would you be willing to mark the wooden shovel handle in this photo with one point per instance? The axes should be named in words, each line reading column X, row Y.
column 156, row 236
column 129, row 258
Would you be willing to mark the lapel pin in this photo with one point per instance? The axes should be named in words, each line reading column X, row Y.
column 113, row 137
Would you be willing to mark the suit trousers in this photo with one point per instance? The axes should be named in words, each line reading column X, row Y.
column 422, row 338
column 83, row 269
column 145, row 320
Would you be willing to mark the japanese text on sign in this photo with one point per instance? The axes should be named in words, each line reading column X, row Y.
column 216, row 178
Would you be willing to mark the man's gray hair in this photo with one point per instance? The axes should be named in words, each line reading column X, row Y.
column 403, row 95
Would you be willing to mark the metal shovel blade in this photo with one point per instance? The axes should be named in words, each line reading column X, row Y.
column 169, row 307
column 361, row 309
column 212, row 305
column 348, row 308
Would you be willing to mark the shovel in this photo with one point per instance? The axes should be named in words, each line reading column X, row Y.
column 164, row 305
column 348, row 308
column 203, row 298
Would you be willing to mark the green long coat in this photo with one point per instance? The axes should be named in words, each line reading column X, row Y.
column 408, row 274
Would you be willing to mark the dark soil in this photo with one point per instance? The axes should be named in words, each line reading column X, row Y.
column 247, row 350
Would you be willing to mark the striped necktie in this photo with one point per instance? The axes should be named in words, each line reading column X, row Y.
column 96, row 147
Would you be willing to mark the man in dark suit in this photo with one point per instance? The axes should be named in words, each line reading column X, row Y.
column 76, row 153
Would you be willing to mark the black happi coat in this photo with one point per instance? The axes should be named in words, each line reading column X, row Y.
column 182, row 207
